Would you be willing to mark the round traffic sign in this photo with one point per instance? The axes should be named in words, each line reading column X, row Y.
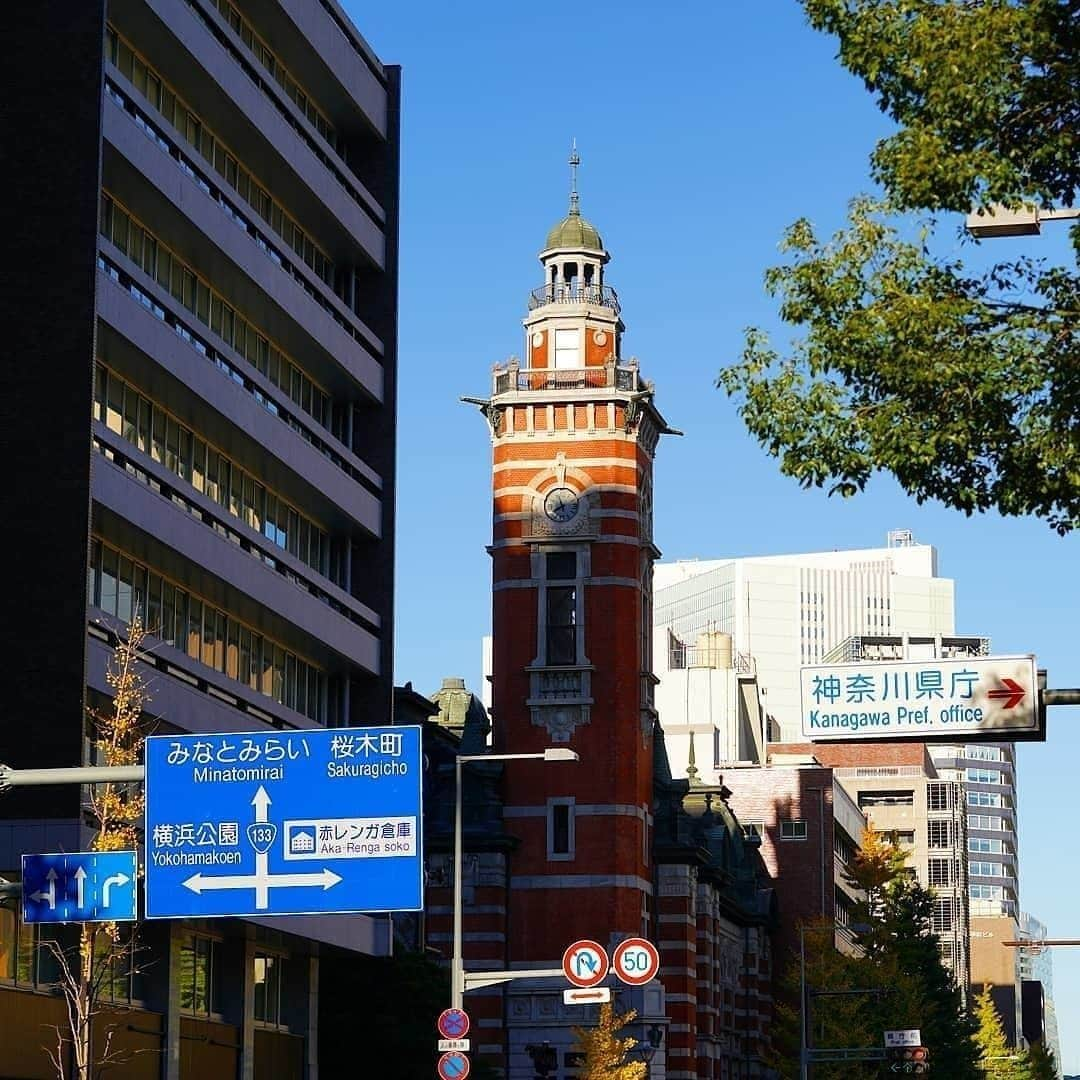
column 585, row 963
column 453, row 1065
column 453, row 1023
column 636, row 961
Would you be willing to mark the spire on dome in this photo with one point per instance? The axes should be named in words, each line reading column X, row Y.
column 575, row 161
column 574, row 233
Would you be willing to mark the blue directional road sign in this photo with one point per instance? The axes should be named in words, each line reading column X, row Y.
column 81, row 886
column 299, row 822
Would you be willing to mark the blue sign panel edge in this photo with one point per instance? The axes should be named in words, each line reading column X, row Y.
column 269, row 914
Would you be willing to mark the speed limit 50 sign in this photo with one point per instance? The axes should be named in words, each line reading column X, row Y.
column 636, row 961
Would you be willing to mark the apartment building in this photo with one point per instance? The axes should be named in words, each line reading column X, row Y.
column 201, row 289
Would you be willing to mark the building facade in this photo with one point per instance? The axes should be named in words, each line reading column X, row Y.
column 1036, row 964
column 898, row 790
column 808, row 828
column 784, row 611
column 206, row 298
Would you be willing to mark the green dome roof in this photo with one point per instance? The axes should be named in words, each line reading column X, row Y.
column 574, row 232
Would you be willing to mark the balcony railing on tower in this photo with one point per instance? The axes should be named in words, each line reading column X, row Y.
column 511, row 377
column 573, row 292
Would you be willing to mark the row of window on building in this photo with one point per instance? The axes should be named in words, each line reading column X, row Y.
column 151, row 429
column 208, row 306
column 282, row 76
column 28, row 960
column 122, row 586
column 168, row 103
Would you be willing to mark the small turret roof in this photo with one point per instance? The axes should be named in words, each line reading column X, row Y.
column 575, row 232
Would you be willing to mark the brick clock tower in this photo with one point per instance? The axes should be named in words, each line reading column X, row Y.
column 574, row 430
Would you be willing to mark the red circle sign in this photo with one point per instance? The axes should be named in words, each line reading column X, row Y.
column 585, row 963
column 453, row 1065
column 453, row 1023
column 636, row 961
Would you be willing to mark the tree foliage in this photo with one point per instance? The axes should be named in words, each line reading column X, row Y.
column 1041, row 1063
column 606, row 1051
column 896, row 968
column 997, row 1059
column 963, row 384
column 986, row 94
column 104, row 954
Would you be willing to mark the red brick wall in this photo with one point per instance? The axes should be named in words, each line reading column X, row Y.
column 802, row 870
column 847, row 755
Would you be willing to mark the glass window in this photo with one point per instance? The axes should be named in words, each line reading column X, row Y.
column 194, row 628
column 269, row 976
column 109, row 570
column 939, row 871
column 561, row 565
column 198, row 464
column 567, row 349
column 114, row 409
column 938, row 834
column 886, row 798
column 792, row 830
column 562, row 625
column 200, row 974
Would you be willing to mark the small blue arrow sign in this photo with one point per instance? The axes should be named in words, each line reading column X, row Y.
column 80, row 886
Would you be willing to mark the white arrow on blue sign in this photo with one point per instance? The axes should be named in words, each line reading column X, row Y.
column 297, row 822
column 80, row 886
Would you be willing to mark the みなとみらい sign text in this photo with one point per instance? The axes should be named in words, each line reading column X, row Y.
column 996, row 697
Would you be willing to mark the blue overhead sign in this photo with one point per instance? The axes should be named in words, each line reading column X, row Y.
column 285, row 823
column 81, row 886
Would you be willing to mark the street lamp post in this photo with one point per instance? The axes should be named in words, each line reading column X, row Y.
column 1026, row 221
column 457, row 964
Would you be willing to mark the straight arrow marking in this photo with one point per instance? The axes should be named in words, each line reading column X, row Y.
column 80, row 887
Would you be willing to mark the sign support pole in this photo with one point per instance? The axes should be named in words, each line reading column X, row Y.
column 86, row 774
column 457, row 981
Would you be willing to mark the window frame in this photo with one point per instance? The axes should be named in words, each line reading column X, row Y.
column 555, row 805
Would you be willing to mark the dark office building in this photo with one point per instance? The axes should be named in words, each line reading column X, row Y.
column 199, row 295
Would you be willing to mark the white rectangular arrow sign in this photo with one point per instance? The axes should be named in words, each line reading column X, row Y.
column 985, row 697
column 592, row 995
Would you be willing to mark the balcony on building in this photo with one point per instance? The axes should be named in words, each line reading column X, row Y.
column 512, row 378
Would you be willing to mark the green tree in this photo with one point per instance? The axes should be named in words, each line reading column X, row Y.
column 605, row 1051
column 913, row 947
column 1041, row 1063
column 960, row 383
column 997, row 1059
column 838, row 1020
column 875, row 866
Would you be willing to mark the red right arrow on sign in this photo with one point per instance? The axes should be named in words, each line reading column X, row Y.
column 1011, row 690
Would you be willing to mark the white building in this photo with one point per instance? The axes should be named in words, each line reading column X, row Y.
column 730, row 636
column 784, row 611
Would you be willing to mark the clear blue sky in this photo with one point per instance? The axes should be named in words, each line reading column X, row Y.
column 704, row 129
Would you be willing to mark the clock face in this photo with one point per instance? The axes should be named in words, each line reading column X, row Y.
column 561, row 504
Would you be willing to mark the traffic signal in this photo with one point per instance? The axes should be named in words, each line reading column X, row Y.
column 909, row 1060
